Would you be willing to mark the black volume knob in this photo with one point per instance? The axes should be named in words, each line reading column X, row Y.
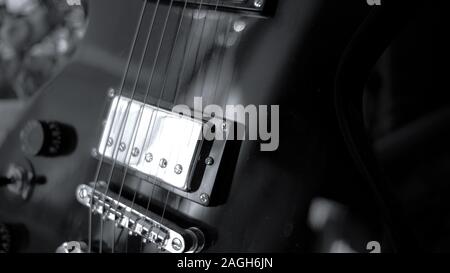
column 40, row 138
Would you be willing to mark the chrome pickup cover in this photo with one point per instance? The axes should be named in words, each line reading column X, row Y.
column 139, row 221
column 155, row 142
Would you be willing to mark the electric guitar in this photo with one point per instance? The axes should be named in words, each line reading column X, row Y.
column 181, row 126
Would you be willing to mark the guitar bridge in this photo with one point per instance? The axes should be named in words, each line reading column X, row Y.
column 139, row 221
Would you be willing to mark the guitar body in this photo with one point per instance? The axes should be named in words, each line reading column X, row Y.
column 261, row 199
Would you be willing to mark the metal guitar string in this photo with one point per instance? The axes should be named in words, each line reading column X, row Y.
column 125, row 120
column 195, row 62
column 158, row 104
column 122, row 84
column 148, row 89
column 217, row 76
column 155, row 184
column 200, row 68
column 221, row 61
column 202, row 86
column 138, row 123
column 188, row 44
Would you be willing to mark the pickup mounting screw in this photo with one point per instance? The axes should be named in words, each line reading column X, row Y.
column 258, row 3
column 204, row 198
column 94, row 152
column 209, row 161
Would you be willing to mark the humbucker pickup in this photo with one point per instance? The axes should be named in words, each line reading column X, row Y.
column 152, row 141
column 139, row 221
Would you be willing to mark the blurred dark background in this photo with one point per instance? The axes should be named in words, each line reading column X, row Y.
column 407, row 115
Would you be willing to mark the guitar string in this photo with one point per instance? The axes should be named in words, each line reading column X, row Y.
column 137, row 123
column 186, row 50
column 122, row 84
column 149, row 85
column 178, row 31
column 218, row 20
column 158, row 105
column 195, row 64
column 188, row 204
column 228, row 93
column 220, row 64
column 124, row 122
column 154, row 185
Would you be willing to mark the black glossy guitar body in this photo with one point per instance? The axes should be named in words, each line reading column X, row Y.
column 261, row 199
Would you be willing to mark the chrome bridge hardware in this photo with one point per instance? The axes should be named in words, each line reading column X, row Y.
column 72, row 247
column 138, row 221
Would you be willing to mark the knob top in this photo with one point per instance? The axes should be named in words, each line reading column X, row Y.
column 32, row 137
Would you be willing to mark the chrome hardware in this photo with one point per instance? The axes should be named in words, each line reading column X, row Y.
column 258, row 3
column 204, row 198
column 72, row 247
column 111, row 93
column 135, row 151
column 110, row 142
column 140, row 222
column 153, row 133
column 149, row 157
column 163, row 163
column 178, row 169
column 122, row 146
column 209, row 161
column 21, row 180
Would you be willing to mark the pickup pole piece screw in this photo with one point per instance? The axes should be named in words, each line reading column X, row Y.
column 163, row 163
column 258, row 3
column 178, row 169
column 149, row 157
column 122, row 146
column 135, row 152
column 110, row 142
